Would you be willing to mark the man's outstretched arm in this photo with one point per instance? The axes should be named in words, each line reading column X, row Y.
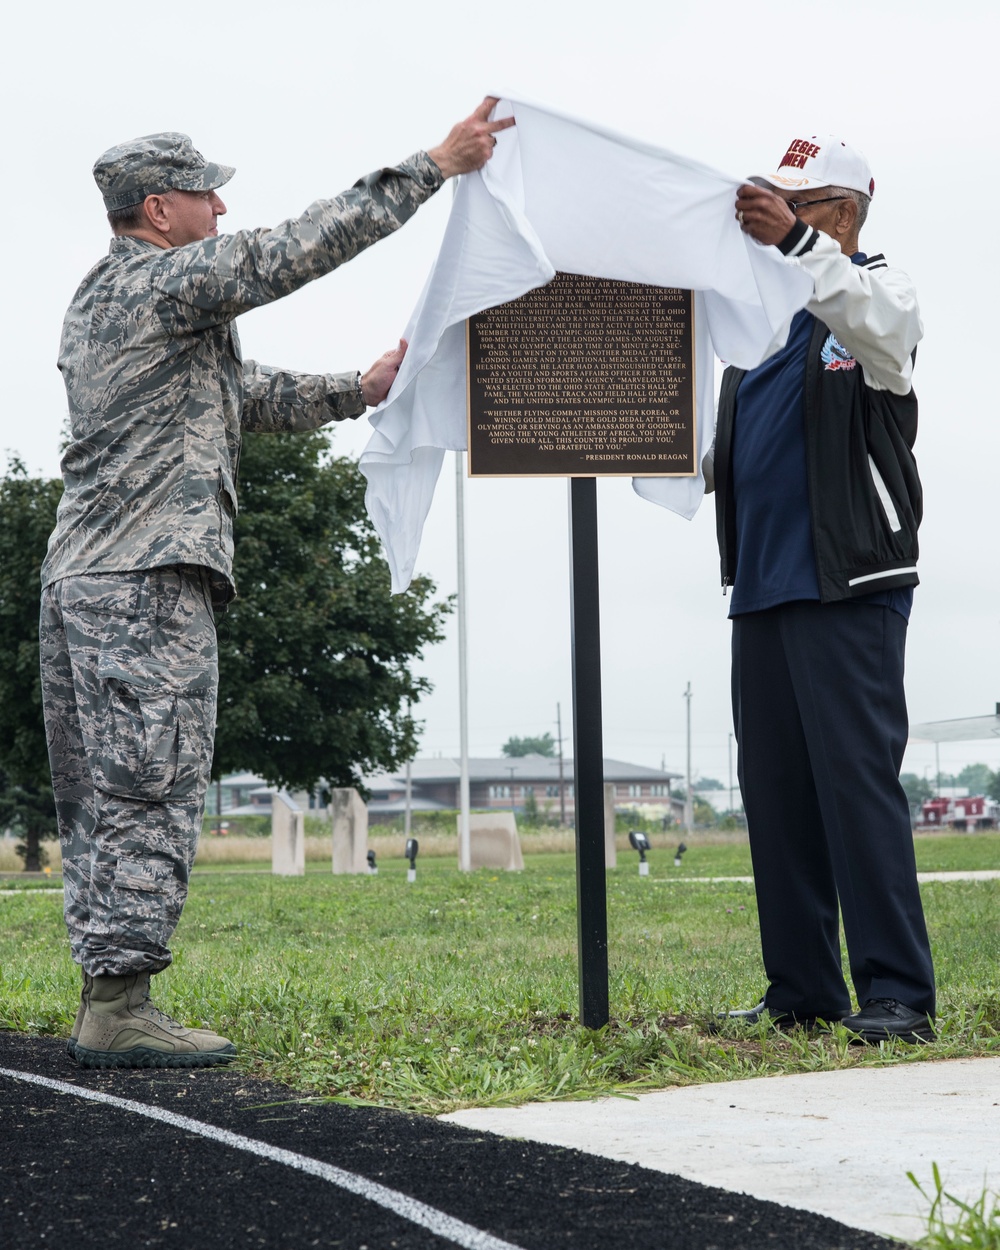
column 278, row 401
column 212, row 281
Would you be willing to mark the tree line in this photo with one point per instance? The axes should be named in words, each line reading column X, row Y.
column 975, row 778
column 316, row 656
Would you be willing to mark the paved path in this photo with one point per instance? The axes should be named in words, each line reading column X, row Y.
column 972, row 874
column 838, row 1143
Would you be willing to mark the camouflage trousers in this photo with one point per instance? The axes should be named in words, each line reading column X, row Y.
column 130, row 679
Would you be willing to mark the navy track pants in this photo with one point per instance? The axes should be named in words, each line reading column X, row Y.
column 821, row 724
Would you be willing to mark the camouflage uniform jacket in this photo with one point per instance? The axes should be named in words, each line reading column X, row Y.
column 158, row 390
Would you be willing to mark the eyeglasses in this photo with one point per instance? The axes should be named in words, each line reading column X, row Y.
column 795, row 205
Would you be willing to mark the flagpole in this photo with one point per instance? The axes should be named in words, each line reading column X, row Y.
column 464, row 846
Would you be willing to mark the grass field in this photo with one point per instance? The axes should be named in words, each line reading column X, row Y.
column 461, row 990
column 711, row 854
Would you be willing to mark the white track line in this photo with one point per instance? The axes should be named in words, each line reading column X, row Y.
column 435, row 1221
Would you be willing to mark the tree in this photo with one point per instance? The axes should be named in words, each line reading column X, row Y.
column 918, row 789
column 993, row 790
column 702, row 813
column 976, row 778
column 29, row 812
column 530, row 814
column 315, row 654
column 707, row 783
column 515, row 748
column 27, row 516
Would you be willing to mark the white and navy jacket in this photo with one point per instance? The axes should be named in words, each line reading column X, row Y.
column 865, row 499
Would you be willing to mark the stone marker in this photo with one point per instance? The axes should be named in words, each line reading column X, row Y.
column 494, row 842
column 288, row 842
column 350, row 831
column 610, row 851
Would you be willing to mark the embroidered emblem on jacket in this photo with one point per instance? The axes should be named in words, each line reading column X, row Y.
column 834, row 356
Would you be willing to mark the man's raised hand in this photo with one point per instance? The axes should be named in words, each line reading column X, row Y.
column 470, row 144
column 763, row 214
column 376, row 382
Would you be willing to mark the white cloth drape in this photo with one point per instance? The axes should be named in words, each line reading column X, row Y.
column 561, row 194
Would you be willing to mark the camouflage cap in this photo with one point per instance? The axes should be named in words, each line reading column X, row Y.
column 130, row 171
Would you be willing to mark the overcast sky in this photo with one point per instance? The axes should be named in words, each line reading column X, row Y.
column 303, row 98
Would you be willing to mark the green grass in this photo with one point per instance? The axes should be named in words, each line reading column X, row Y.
column 934, row 853
column 957, row 852
column 709, row 854
column 956, row 1225
column 462, row 989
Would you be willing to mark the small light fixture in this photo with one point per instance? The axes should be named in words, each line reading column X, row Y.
column 372, row 866
column 677, row 855
column 412, row 846
column 640, row 843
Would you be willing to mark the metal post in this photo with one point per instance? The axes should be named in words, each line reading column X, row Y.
column 731, row 774
column 562, row 783
column 464, row 840
column 689, row 801
column 588, row 755
column 408, row 810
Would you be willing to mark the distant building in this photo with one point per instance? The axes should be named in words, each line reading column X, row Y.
column 243, row 794
column 496, row 783
column 505, row 784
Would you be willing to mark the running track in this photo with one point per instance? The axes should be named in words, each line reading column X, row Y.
column 214, row 1160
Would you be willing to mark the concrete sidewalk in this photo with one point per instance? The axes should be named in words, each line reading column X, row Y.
column 837, row 1143
column 967, row 874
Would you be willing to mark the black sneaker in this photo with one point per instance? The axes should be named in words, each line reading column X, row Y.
column 882, row 1018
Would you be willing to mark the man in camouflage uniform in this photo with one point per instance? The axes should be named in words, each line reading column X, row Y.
column 142, row 551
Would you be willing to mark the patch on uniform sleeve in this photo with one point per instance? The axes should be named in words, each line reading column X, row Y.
column 834, row 356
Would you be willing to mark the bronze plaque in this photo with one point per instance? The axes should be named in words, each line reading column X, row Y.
column 583, row 377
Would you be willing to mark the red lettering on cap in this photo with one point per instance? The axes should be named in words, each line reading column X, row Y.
column 794, row 160
column 799, row 150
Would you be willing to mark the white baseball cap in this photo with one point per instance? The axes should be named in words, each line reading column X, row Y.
column 822, row 161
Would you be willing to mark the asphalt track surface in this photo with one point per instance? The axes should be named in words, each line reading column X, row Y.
column 232, row 1162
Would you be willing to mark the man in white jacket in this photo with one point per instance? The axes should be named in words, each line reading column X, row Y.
column 818, row 503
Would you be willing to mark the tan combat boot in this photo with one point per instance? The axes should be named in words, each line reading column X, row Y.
column 81, row 1011
column 122, row 1029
